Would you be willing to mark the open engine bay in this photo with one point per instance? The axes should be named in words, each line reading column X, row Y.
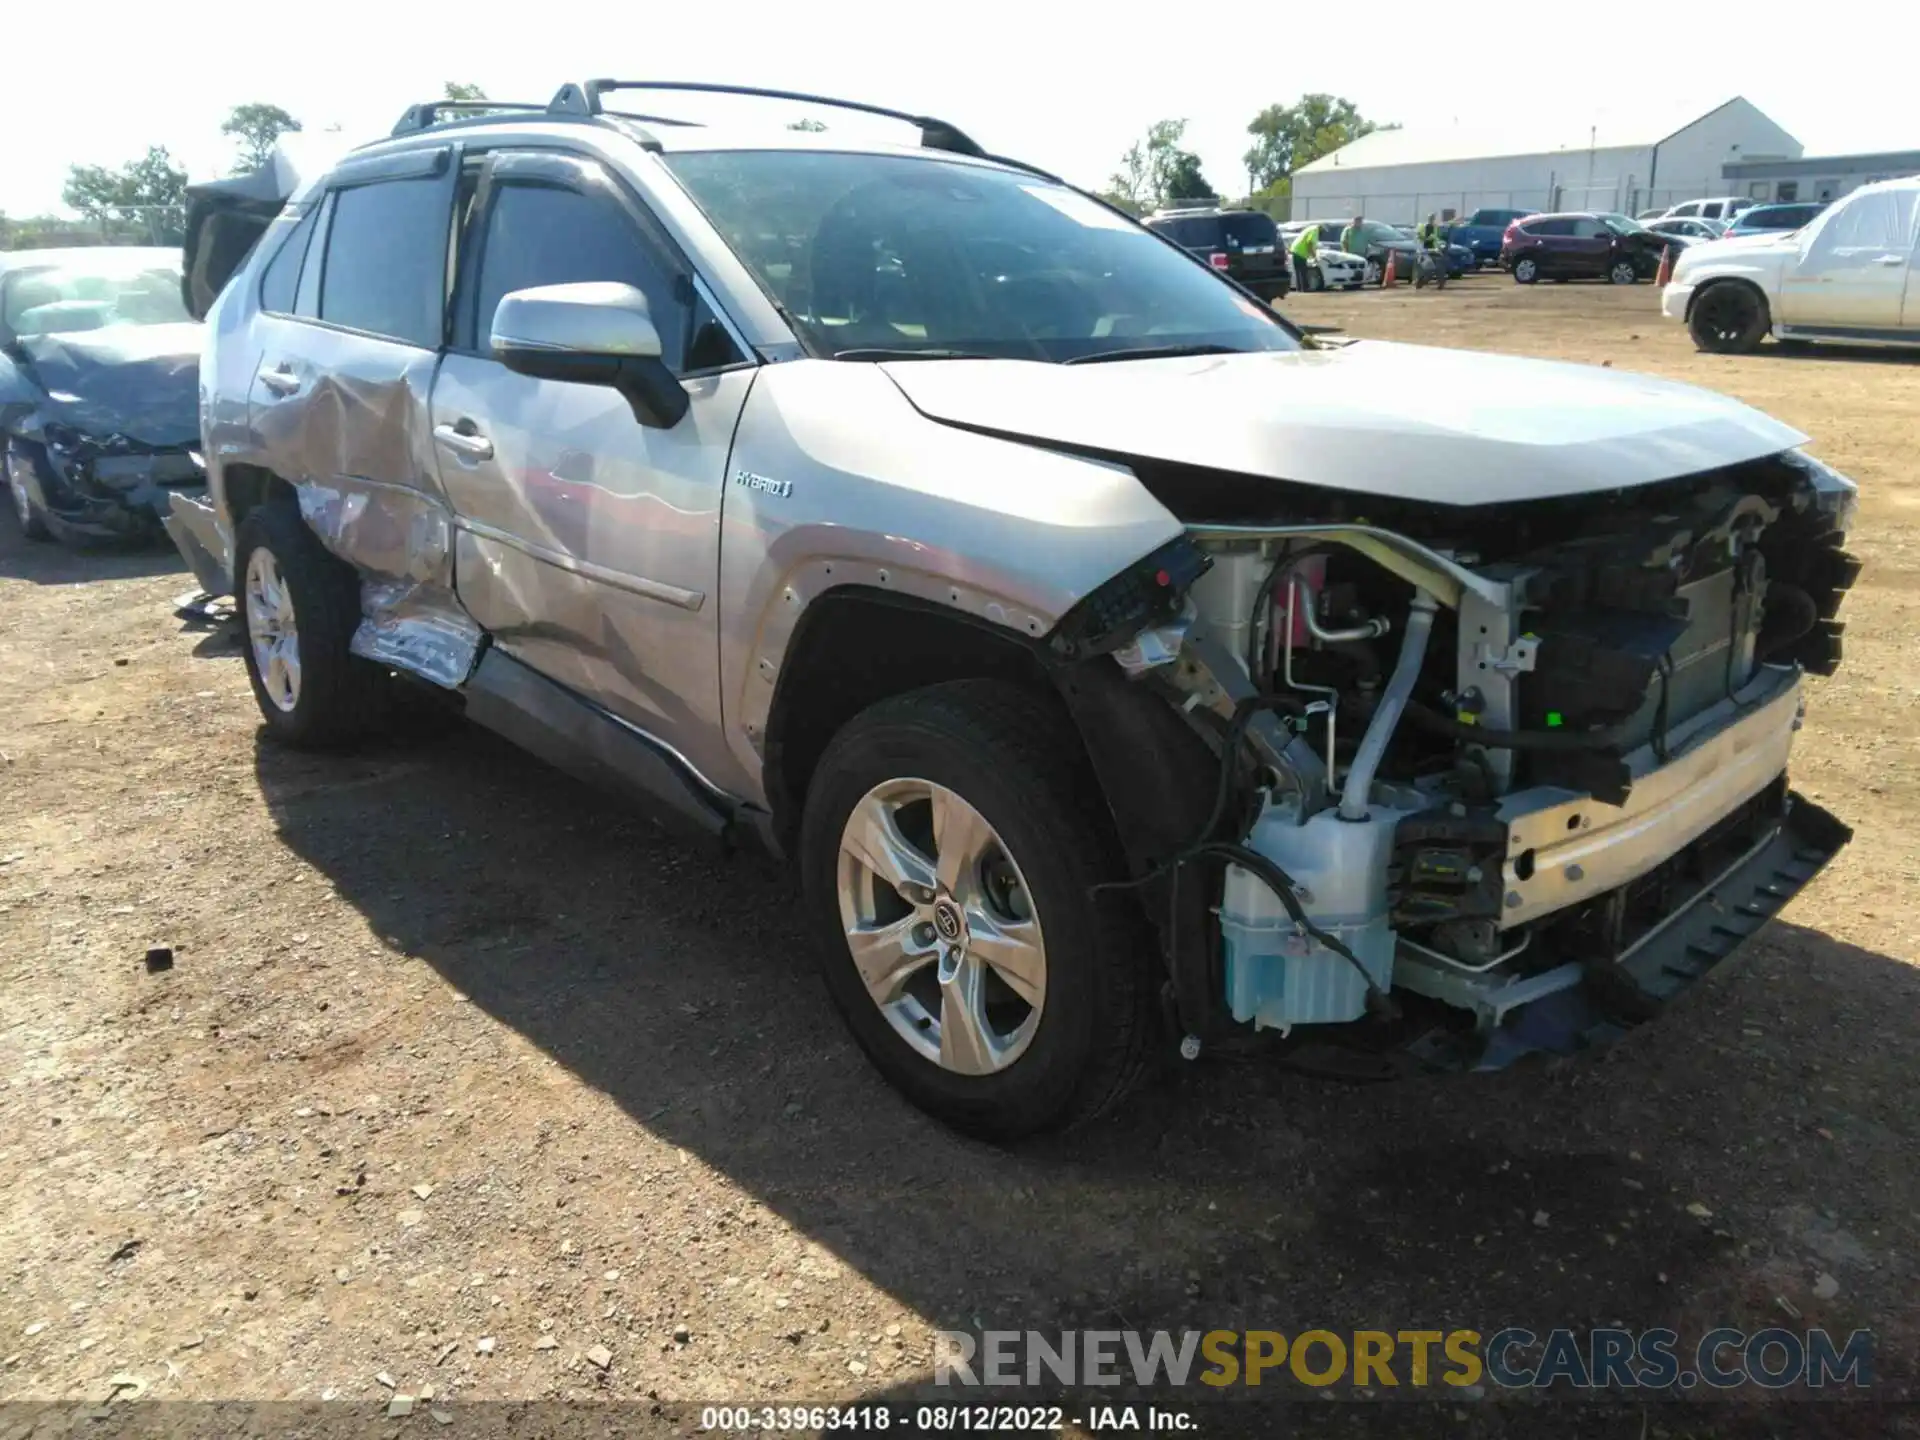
column 1489, row 779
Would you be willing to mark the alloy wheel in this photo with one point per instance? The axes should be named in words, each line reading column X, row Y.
column 940, row 926
column 273, row 630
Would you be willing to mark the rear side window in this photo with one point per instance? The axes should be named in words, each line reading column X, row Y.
column 386, row 260
column 281, row 282
column 546, row 235
column 1548, row 227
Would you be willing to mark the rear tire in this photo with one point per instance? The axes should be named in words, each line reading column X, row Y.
column 298, row 607
column 1526, row 270
column 1728, row 318
column 993, row 776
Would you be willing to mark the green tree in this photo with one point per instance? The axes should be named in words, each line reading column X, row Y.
column 153, row 181
column 1289, row 136
column 1157, row 169
column 255, row 126
column 811, row 126
column 461, row 90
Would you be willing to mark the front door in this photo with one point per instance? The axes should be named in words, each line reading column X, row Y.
column 589, row 543
column 1855, row 269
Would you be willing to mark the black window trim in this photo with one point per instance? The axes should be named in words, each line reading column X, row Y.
column 583, row 171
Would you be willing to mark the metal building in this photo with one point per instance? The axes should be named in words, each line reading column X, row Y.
column 1817, row 177
column 1400, row 176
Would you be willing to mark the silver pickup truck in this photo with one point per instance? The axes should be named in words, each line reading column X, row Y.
column 1116, row 664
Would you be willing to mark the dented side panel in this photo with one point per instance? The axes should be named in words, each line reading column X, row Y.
column 344, row 418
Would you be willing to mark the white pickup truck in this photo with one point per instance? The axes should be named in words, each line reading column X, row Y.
column 1847, row 276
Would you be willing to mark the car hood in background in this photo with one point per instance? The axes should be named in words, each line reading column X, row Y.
column 1448, row 427
column 140, row 381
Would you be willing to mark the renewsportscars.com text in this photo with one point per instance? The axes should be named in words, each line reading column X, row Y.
column 1512, row 1358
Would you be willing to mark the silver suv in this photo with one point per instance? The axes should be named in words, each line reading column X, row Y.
column 1111, row 660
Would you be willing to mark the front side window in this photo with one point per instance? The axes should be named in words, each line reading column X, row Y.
column 386, row 258
column 91, row 293
column 1870, row 223
column 889, row 255
column 546, row 235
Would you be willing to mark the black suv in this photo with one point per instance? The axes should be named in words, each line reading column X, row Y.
column 1243, row 243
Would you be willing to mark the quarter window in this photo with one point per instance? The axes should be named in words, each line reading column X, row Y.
column 281, row 281
column 386, row 258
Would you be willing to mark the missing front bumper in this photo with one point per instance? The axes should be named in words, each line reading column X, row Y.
column 1723, row 889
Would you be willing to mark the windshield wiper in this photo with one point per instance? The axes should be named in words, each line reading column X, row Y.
column 1155, row 352
column 882, row 353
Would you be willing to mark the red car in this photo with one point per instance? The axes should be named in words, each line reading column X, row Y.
column 1589, row 245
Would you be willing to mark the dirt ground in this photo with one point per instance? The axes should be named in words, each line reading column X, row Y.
column 461, row 1073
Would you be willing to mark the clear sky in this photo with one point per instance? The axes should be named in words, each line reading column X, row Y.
column 1066, row 87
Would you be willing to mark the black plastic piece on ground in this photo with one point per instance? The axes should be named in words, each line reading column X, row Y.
column 159, row 958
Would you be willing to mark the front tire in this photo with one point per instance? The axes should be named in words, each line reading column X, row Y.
column 1728, row 318
column 949, row 849
column 1623, row 272
column 298, row 608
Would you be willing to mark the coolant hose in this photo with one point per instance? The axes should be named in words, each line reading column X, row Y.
column 1386, row 718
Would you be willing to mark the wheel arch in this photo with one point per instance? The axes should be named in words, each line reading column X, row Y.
column 245, row 488
column 1742, row 281
column 854, row 647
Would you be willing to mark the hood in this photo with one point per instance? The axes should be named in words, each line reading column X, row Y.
column 1447, row 427
column 140, row 381
column 1745, row 240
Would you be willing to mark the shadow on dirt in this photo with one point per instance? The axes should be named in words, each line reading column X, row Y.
column 1230, row 1195
column 46, row 562
column 1855, row 354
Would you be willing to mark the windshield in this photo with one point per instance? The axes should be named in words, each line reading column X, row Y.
column 1623, row 224
column 889, row 256
column 89, row 294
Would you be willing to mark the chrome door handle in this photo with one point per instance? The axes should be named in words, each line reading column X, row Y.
column 281, row 380
column 464, row 443
column 1891, row 260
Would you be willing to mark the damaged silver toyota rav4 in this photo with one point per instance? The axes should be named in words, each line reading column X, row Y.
column 1111, row 660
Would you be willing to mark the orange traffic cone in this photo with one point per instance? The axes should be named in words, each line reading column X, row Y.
column 1391, row 277
column 1666, row 266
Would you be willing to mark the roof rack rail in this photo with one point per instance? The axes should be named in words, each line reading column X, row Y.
column 935, row 134
column 431, row 112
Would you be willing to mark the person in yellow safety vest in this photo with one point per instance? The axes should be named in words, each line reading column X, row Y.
column 1435, row 246
column 1306, row 251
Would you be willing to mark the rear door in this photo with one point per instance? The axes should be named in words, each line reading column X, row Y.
column 353, row 308
column 589, row 543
